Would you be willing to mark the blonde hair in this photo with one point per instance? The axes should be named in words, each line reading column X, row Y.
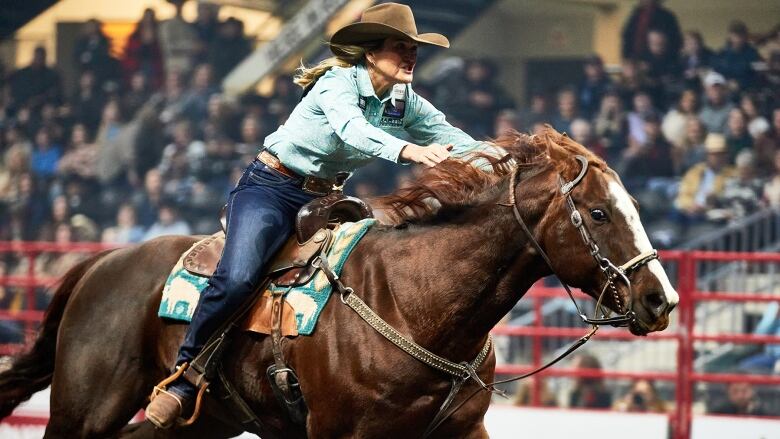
column 349, row 55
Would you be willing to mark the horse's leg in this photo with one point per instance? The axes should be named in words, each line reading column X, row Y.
column 112, row 348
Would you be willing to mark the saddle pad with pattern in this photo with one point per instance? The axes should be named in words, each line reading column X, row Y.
column 182, row 288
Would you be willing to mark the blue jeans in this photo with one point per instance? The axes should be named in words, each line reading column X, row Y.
column 261, row 214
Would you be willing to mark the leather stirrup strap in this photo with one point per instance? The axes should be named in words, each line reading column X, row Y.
column 277, row 307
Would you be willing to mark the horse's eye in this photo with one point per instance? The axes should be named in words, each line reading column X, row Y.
column 598, row 215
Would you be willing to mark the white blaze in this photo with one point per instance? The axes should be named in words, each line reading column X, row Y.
column 624, row 204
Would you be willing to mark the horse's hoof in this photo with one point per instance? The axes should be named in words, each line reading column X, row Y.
column 164, row 409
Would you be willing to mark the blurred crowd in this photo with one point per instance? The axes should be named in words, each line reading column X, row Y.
column 592, row 391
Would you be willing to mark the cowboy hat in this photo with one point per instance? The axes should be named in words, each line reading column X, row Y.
column 715, row 143
column 382, row 21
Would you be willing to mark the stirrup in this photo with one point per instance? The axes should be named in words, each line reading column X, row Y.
column 162, row 387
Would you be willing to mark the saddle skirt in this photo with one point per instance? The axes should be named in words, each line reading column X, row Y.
column 307, row 289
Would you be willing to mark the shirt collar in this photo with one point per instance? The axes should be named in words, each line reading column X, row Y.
column 366, row 88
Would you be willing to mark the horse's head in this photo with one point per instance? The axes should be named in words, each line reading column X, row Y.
column 595, row 239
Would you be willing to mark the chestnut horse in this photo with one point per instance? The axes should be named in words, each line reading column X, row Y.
column 456, row 263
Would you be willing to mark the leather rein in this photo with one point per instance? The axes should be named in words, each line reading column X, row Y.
column 462, row 372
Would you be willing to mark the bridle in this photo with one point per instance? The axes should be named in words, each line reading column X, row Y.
column 611, row 271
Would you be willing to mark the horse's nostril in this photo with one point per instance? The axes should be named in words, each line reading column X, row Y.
column 655, row 302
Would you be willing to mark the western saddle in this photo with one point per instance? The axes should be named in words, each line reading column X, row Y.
column 291, row 266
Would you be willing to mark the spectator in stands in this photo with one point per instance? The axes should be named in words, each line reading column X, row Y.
column 691, row 151
column 589, row 391
column 179, row 42
column 92, row 52
column 741, row 400
column 770, row 79
column 767, row 145
column 206, row 26
column 567, row 110
column 284, row 98
column 641, row 109
column 229, row 48
column 195, row 100
column 168, row 223
column 715, row 111
column 173, row 95
column 650, row 15
column 737, row 137
column 10, row 300
column 126, row 229
column 757, row 124
column 769, row 42
column 652, row 157
column 137, row 94
column 772, row 186
column 675, row 121
column 742, row 194
column 481, row 97
column 611, row 126
column 221, row 119
column 56, row 264
column 642, row 397
column 45, row 155
column 524, row 395
column 661, row 65
column 506, row 121
column 148, row 202
column 142, row 53
column 86, row 105
column 696, row 57
column 582, row 133
column 538, row 111
column 184, row 146
column 736, row 59
column 704, row 182
column 251, row 139
column 594, row 86
column 80, row 158
column 35, row 84
column 767, row 361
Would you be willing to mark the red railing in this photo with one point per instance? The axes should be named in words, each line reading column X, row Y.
column 685, row 377
column 30, row 281
column 683, row 333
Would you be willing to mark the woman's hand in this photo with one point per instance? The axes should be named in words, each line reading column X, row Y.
column 429, row 155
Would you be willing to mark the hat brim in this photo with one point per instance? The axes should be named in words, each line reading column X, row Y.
column 363, row 32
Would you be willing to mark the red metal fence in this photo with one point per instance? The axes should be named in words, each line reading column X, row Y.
column 682, row 333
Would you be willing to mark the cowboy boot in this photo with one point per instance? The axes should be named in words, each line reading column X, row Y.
column 164, row 409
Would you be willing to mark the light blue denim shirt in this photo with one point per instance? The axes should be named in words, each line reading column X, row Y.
column 342, row 125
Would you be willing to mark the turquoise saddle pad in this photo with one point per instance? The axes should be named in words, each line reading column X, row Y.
column 182, row 288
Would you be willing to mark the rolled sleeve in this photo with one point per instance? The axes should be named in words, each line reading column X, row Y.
column 338, row 99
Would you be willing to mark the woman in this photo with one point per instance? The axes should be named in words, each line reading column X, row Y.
column 674, row 122
column 355, row 106
column 642, row 397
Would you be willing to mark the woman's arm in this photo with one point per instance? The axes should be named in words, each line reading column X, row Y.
column 428, row 125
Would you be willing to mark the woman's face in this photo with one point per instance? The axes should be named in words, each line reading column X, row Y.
column 736, row 122
column 694, row 130
column 688, row 102
column 395, row 60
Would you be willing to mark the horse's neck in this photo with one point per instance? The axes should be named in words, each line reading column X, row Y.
column 450, row 284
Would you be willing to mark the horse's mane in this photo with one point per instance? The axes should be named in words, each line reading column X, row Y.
column 457, row 183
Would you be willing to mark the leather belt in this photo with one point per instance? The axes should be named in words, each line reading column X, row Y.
column 312, row 185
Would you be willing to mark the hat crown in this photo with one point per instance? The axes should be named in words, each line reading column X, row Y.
column 392, row 14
